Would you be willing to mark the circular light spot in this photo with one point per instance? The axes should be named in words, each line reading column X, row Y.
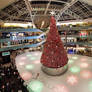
column 26, row 76
column 75, row 69
column 60, row 88
column 32, row 58
column 23, row 58
column 74, row 57
column 37, row 62
column 36, row 54
column 72, row 80
column 35, row 86
column 28, row 55
column 29, row 67
column 21, row 63
column 83, row 59
column 90, row 86
column 70, row 61
column 84, row 65
column 86, row 74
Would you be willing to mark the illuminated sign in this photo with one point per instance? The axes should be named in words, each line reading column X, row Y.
column 5, row 53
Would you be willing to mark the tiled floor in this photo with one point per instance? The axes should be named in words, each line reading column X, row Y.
column 78, row 78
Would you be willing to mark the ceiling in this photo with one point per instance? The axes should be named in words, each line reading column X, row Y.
column 88, row 1
column 27, row 11
column 4, row 3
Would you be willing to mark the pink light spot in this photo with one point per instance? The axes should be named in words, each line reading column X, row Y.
column 60, row 88
column 37, row 62
column 72, row 80
column 84, row 65
column 36, row 54
column 21, row 63
column 26, row 76
column 86, row 74
column 23, row 58
column 83, row 59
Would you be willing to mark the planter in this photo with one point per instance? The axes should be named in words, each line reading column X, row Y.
column 54, row 71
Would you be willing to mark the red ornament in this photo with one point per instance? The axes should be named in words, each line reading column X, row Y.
column 54, row 55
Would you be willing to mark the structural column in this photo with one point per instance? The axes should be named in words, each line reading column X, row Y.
column 0, row 37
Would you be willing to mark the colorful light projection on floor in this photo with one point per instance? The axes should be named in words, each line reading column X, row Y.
column 86, row 74
column 72, row 80
column 21, row 63
column 90, row 86
column 36, row 54
column 83, row 59
column 35, row 86
column 32, row 58
column 70, row 61
column 29, row 67
column 80, row 71
column 32, row 54
column 28, row 55
column 60, row 88
column 74, row 57
column 84, row 65
column 23, row 58
column 26, row 76
column 37, row 62
column 75, row 69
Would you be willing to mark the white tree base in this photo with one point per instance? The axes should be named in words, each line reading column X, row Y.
column 54, row 71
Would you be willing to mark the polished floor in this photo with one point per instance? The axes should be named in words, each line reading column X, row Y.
column 78, row 77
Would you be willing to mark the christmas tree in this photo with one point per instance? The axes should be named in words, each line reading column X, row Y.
column 54, row 55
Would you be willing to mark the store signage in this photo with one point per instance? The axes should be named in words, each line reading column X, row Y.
column 83, row 34
column 5, row 53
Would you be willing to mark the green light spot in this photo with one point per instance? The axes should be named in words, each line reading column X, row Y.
column 28, row 55
column 90, row 85
column 66, row 66
column 75, row 69
column 70, row 61
column 29, row 67
column 74, row 57
column 32, row 58
column 35, row 86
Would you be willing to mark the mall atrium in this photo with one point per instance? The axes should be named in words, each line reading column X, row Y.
column 45, row 45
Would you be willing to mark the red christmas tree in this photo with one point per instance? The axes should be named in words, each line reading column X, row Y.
column 54, row 55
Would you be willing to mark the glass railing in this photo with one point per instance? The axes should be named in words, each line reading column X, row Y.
column 15, row 47
column 20, row 30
